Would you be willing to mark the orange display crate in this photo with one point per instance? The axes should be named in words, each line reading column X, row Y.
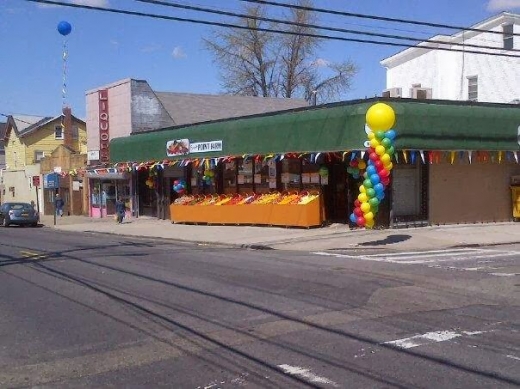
column 291, row 215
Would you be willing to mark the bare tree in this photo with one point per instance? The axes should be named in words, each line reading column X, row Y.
column 261, row 63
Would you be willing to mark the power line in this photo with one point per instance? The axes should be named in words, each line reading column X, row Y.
column 307, row 25
column 228, row 25
column 374, row 17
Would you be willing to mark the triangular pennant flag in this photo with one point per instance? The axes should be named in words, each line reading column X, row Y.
column 421, row 152
column 344, row 155
column 362, row 154
column 500, row 157
column 470, row 156
column 452, row 157
column 412, row 157
column 316, row 158
column 353, row 156
column 516, row 156
column 405, row 156
column 396, row 155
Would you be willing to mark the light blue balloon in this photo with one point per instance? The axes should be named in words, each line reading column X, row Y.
column 375, row 179
column 371, row 170
column 353, row 218
column 379, row 187
column 390, row 134
column 380, row 196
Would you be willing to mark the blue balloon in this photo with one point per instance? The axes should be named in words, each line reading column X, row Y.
column 375, row 179
column 353, row 218
column 390, row 134
column 371, row 170
column 380, row 196
column 64, row 28
column 379, row 188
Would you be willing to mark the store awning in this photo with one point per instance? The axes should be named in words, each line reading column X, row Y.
column 421, row 125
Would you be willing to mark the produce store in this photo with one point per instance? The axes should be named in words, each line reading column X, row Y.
column 306, row 167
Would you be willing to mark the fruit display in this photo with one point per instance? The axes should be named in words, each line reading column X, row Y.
column 301, row 198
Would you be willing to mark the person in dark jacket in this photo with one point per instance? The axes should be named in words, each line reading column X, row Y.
column 120, row 210
column 59, row 203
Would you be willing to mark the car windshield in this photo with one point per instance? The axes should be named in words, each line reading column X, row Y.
column 18, row 206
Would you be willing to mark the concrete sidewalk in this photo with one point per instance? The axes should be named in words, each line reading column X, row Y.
column 333, row 237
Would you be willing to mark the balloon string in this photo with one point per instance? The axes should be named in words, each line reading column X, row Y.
column 64, row 85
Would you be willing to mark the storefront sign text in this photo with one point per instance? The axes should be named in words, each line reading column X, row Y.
column 104, row 134
column 206, row 147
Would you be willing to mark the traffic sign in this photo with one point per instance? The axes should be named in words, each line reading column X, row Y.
column 36, row 181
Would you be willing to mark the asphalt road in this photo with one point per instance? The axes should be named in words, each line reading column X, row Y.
column 87, row 310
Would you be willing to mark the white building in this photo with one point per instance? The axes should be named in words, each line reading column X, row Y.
column 424, row 73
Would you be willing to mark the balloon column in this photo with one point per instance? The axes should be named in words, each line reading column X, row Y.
column 356, row 167
column 64, row 28
column 380, row 119
column 179, row 186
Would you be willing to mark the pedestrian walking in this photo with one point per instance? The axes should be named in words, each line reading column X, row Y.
column 59, row 204
column 120, row 210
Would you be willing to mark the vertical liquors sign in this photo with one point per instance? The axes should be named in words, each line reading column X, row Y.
column 104, row 128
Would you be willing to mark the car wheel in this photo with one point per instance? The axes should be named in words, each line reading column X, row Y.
column 34, row 225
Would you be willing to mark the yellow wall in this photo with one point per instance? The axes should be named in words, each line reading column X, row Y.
column 14, row 152
column 40, row 140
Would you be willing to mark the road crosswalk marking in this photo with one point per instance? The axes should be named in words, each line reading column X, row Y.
column 424, row 257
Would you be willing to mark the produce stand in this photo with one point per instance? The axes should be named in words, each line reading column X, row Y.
column 273, row 209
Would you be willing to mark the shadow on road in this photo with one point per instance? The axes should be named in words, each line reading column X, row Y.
column 390, row 239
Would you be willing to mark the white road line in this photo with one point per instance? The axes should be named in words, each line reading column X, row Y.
column 306, row 374
column 505, row 274
column 430, row 337
column 513, row 357
column 422, row 257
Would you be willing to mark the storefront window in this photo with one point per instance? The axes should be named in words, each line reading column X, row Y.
column 261, row 177
column 245, row 176
column 310, row 176
column 291, row 174
column 230, row 178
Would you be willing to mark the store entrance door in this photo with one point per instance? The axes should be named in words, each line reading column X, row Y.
column 337, row 197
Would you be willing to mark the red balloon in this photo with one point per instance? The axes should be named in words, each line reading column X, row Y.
column 354, row 163
column 374, row 157
column 357, row 203
column 385, row 181
column 383, row 173
column 358, row 212
column 361, row 221
column 378, row 165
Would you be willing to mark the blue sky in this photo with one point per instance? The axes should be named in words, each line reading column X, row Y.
column 104, row 48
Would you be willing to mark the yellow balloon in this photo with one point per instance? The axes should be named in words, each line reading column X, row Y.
column 369, row 223
column 362, row 197
column 374, row 143
column 380, row 150
column 365, row 207
column 385, row 158
column 369, row 216
column 380, row 117
column 371, row 135
column 362, row 189
column 362, row 165
column 389, row 166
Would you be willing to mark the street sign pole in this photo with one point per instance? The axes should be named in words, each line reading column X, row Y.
column 54, row 208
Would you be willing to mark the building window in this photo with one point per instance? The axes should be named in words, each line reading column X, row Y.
column 58, row 132
column 75, row 132
column 473, row 88
column 508, row 37
column 38, row 156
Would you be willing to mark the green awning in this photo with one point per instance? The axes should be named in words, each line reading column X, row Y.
column 421, row 125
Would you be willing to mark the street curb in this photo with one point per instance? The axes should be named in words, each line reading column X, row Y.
column 192, row 242
column 470, row 245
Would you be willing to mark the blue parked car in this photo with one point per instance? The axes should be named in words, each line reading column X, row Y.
column 21, row 214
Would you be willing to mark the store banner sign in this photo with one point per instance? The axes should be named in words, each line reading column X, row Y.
column 183, row 147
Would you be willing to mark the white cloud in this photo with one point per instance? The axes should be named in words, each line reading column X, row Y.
column 151, row 48
column 321, row 63
column 178, row 52
column 503, row 5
